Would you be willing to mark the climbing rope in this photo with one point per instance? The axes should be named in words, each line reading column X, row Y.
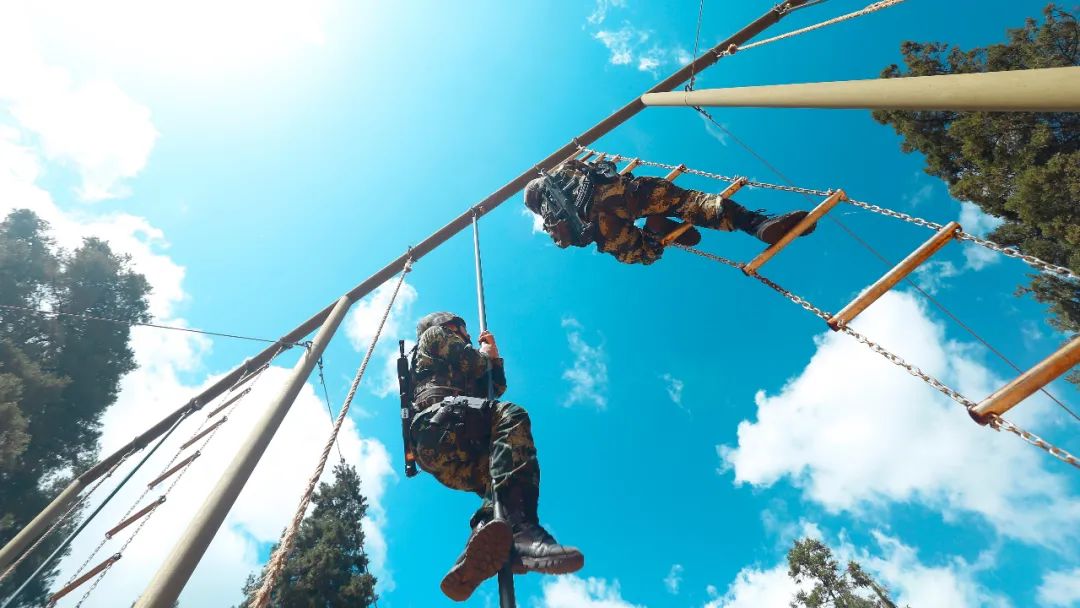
column 1034, row 262
column 86, row 317
column 873, row 8
column 276, row 563
column 996, row 422
column 98, row 573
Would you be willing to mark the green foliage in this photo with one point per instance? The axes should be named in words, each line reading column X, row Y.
column 1021, row 167
column 57, row 374
column 810, row 560
column 327, row 565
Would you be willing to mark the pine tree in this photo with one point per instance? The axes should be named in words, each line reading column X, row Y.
column 57, row 374
column 327, row 566
column 811, row 560
column 1021, row 167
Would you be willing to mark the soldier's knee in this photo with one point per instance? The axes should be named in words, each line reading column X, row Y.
column 511, row 412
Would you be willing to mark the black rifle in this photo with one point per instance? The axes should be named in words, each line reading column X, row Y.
column 405, row 389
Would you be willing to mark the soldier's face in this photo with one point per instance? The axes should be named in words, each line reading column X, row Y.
column 460, row 330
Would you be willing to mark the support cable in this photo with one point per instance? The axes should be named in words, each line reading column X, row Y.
column 887, row 212
column 997, row 422
column 86, row 317
column 697, row 40
column 100, row 575
column 86, row 522
column 329, row 408
column 873, row 8
column 276, row 563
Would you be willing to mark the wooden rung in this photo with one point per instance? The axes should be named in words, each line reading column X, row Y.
column 630, row 166
column 167, row 474
column 676, row 233
column 799, row 228
column 602, row 156
column 894, row 276
column 204, row 433
column 589, row 154
column 250, row 376
column 1045, row 372
column 676, row 172
column 734, row 187
column 136, row 517
column 616, row 158
column 230, row 401
column 91, row 573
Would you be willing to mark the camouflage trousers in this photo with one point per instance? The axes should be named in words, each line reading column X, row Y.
column 477, row 445
column 644, row 196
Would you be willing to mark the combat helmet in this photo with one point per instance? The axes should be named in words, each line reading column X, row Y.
column 434, row 319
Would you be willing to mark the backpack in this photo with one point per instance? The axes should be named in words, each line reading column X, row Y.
column 566, row 200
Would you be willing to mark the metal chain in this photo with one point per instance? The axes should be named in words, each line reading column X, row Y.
column 142, row 496
column 276, row 563
column 63, row 518
column 996, row 422
column 1000, row 423
column 1034, row 262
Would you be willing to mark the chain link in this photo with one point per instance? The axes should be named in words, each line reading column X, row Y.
column 142, row 496
column 1000, row 423
column 1034, row 262
column 996, row 422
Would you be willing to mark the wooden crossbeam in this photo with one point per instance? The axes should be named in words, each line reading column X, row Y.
column 801, row 227
column 1025, row 385
column 136, row 516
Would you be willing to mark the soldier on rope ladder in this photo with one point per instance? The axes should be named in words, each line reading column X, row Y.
column 583, row 203
column 468, row 440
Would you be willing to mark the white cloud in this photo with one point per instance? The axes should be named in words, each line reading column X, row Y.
column 854, row 433
column 674, row 388
column 588, row 376
column 756, row 588
column 895, row 565
column 630, row 45
column 1060, row 589
column 713, row 131
column 920, row 196
column 932, row 276
column 363, row 321
column 536, row 221
column 975, row 221
column 600, row 11
column 673, row 580
column 90, row 126
column 621, row 43
column 157, row 388
column 575, row 592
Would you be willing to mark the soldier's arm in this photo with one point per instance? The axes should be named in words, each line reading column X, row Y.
column 458, row 353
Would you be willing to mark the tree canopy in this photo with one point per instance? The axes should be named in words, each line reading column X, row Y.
column 1021, row 167
column 811, row 561
column 327, row 566
column 58, row 374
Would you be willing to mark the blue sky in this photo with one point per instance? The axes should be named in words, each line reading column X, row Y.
column 257, row 159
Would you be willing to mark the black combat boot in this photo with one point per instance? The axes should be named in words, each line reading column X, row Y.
column 535, row 550
column 767, row 228
column 485, row 552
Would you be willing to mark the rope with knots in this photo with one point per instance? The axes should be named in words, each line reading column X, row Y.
column 276, row 563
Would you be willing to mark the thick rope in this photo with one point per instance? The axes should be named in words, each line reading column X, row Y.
column 873, row 8
column 277, row 561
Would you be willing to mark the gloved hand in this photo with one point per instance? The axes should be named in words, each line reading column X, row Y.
column 488, row 346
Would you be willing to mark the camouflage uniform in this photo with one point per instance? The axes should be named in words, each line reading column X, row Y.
column 619, row 200
column 465, row 440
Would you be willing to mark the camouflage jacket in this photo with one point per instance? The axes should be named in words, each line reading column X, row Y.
column 612, row 213
column 448, row 365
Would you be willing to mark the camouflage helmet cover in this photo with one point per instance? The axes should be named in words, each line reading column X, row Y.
column 534, row 195
column 436, row 318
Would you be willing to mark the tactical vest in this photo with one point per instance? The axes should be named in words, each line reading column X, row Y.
column 567, row 199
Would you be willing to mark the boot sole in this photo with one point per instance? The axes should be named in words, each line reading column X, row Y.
column 775, row 232
column 485, row 554
column 554, row 565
